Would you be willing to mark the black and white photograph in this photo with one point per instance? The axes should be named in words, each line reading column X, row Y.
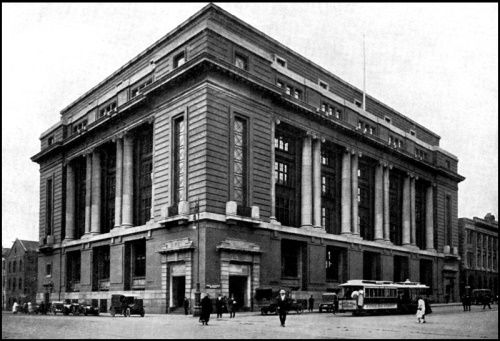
column 199, row 170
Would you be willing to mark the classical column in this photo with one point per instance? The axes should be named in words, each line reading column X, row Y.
column 70, row 202
column 406, row 210
column 413, row 225
column 306, row 184
column 88, row 192
column 354, row 195
column 128, row 181
column 272, row 218
column 387, row 236
column 429, row 219
column 95, row 221
column 118, row 186
column 379, row 201
column 346, row 193
column 317, row 182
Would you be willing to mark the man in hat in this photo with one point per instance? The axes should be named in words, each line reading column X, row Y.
column 282, row 306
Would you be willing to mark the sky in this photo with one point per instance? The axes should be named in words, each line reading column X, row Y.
column 435, row 63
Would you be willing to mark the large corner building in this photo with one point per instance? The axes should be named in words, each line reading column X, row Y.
column 221, row 157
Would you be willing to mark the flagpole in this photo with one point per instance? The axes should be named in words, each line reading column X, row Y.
column 364, row 74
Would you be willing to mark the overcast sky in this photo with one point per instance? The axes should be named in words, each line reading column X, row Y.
column 435, row 63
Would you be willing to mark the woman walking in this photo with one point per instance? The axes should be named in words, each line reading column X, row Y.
column 421, row 310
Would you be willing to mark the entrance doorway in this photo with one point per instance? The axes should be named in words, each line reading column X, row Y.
column 238, row 288
column 178, row 290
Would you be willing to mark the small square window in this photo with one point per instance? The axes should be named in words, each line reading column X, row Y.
column 297, row 94
column 387, row 119
column 179, row 59
column 241, row 61
column 281, row 61
column 322, row 84
column 48, row 269
column 279, row 84
column 288, row 90
column 412, row 132
column 50, row 140
column 357, row 103
column 448, row 164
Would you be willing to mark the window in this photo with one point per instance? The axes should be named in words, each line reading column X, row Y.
column 8, row 284
column 9, row 268
column 288, row 90
column 49, row 191
column 80, row 170
column 139, row 259
column 281, row 143
column 179, row 159
column 108, row 183
column 323, row 85
column 20, row 287
column 449, row 237
column 395, row 142
column 50, row 140
column 48, row 269
column 412, row 132
column 331, row 181
column 357, row 103
column 107, row 109
column 241, row 61
column 79, row 126
column 420, row 203
column 290, row 252
column 240, row 161
column 387, row 119
column 297, row 94
column 448, row 164
column 14, row 266
column 100, row 275
column 469, row 259
column 281, row 173
column 336, row 264
column 135, row 90
column 143, row 164
column 280, row 61
column 20, row 265
column 279, row 84
column 366, row 182
column 73, row 268
column 330, row 110
column 179, row 59
column 366, row 128
column 420, row 154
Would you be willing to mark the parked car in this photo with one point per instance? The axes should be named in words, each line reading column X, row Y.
column 126, row 305
column 479, row 294
column 89, row 309
column 294, row 305
column 297, row 305
column 327, row 302
column 270, row 308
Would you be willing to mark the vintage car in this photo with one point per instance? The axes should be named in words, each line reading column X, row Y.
column 89, row 309
column 60, row 307
column 126, row 305
column 327, row 302
column 293, row 305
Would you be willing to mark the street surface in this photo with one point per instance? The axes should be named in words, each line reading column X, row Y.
column 446, row 322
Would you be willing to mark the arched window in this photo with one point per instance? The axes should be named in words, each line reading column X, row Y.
column 20, row 283
column 14, row 267
column 21, row 265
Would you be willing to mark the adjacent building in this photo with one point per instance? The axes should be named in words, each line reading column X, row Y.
column 5, row 251
column 478, row 239
column 219, row 158
column 21, row 274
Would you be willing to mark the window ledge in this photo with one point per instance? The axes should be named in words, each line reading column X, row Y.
column 232, row 213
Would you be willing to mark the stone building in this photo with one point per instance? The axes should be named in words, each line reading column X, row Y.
column 21, row 274
column 5, row 251
column 479, row 253
column 219, row 157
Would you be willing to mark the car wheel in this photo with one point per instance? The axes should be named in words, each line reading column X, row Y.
column 127, row 312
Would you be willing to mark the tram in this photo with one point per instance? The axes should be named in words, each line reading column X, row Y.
column 367, row 296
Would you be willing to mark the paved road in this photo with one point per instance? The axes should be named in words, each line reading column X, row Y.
column 448, row 322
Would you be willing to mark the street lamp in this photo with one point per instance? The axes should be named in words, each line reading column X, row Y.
column 197, row 294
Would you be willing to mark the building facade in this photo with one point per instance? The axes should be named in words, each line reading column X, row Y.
column 21, row 274
column 5, row 251
column 479, row 253
column 219, row 157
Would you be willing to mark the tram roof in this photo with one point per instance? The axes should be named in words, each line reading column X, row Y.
column 364, row 282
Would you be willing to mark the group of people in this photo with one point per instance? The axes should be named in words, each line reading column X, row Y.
column 222, row 304
column 467, row 301
column 29, row 308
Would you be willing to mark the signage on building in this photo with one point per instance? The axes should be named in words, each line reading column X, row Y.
column 212, row 286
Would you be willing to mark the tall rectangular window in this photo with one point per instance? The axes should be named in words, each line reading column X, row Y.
column 331, row 181
column 179, row 159
column 336, row 264
column 290, row 256
column 420, row 191
column 287, row 173
column 240, row 161
column 241, row 61
column 179, row 59
column 143, row 154
column 365, row 206
column 49, row 204
column 395, row 207
column 80, row 168
column 73, row 269
column 108, row 184
column 101, row 263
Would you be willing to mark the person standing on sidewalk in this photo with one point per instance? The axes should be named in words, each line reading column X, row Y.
column 420, row 310
column 486, row 301
column 219, row 304
column 282, row 307
column 206, row 310
column 311, row 304
column 186, row 306
column 231, row 306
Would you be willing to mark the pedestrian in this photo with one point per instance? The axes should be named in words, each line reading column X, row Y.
column 464, row 302
column 360, row 299
column 186, row 306
column 15, row 307
column 231, row 306
column 420, row 310
column 311, row 303
column 469, row 301
column 335, row 303
column 219, row 305
column 486, row 301
column 30, row 308
column 283, row 306
column 206, row 310
column 25, row 307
